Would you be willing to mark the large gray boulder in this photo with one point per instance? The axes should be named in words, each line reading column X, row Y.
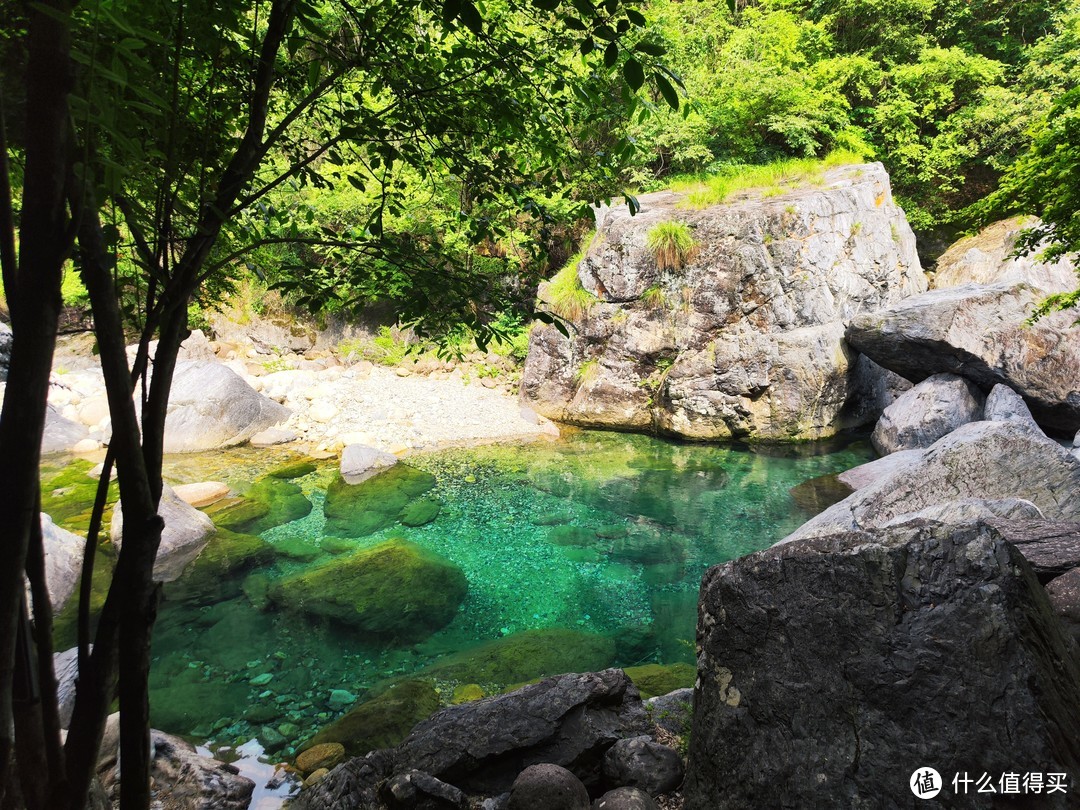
column 746, row 339
column 989, row 257
column 980, row 333
column 1005, row 405
column 210, row 406
column 981, row 460
column 360, row 462
column 61, row 434
column 1051, row 547
column 186, row 533
column 6, row 340
column 831, row 669
column 63, row 561
column 569, row 720
column 922, row 415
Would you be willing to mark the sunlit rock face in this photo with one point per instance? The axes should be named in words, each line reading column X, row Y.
column 746, row 338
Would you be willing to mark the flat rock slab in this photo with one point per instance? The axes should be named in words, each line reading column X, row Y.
column 1052, row 547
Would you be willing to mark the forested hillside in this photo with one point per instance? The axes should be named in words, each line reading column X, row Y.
column 948, row 94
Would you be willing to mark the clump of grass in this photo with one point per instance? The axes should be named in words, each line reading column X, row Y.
column 654, row 297
column 586, row 372
column 564, row 295
column 672, row 243
column 712, row 189
column 388, row 348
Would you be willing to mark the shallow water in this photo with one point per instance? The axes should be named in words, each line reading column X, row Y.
column 599, row 532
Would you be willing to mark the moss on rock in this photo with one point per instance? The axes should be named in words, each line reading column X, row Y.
column 395, row 590
column 357, row 510
column 382, row 722
column 214, row 574
column 68, row 493
column 659, row 679
column 420, row 512
column 269, row 502
column 292, row 469
column 525, row 656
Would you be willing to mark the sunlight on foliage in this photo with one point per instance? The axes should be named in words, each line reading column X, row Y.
column 565, row 295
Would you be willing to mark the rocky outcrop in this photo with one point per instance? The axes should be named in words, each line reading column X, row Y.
column 980, row 333
column 746, row 339
column 210, row 406
column 831, row 669
column 183, row 779
column 482, row 746
column 980, row 460
column 186, row 532
column 922, row 415
column 1051, row 547
column 989, row 257
column 571, row 720
column 1064, row 593
column 547, row 787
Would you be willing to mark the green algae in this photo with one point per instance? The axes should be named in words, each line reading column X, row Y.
column 384, row 721
column 526, row 656
column 292, row 469
column 269, row 502
column 396, row 590
column 420, row 512
column 357, row 510
column 659, row 679
column 215, row 574
column 68, row 494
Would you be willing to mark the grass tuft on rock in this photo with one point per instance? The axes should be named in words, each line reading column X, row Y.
column 672, row 244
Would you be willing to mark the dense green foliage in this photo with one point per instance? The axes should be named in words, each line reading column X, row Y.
column 943, row 92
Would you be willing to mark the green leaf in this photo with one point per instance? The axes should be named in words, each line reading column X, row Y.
column 651, row 48
column 450, row 10
column 666, row 90
column 633, row 73
column 471, row 17
column 611, row 54
column 636, row 17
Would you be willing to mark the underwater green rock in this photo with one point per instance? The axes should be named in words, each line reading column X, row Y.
column 384, row 721
column 357, row 510
column 571, row 536
column 659, row 679
column 267, row 503
column 182, row 707
column 396, row 590
column 68, row 493
column 525, row 656
column 818, row 494
column 292, row 469
column 214, row 574
column 420, row 512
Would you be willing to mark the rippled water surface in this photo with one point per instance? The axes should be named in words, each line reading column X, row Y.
column 606, row 534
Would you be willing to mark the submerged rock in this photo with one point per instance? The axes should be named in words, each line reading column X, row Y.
column 524, row 656
column 360, row 462
column 383, row 721
column 357, row 510
column 396, row 591
column 271, row 501
column 216, row 573
column 745, row 338
column 830, row 669
column 660, row 679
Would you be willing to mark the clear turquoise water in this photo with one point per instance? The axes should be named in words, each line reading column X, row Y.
column 647, row 518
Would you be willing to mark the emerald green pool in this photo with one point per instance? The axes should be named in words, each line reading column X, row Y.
column 606, row 535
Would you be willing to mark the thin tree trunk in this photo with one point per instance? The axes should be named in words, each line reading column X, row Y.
column 36, row 296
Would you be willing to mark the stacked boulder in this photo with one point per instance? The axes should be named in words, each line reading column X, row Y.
column 554, row 745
